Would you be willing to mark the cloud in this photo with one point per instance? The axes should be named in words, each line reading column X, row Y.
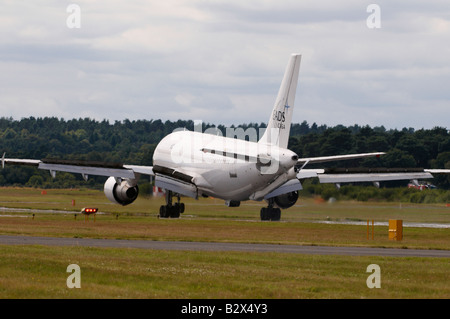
column 194, row 59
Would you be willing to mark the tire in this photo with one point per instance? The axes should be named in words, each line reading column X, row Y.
column 264, row 215
column 268, row 213
column 163, row 212
column 276, row 214
column 175, row 211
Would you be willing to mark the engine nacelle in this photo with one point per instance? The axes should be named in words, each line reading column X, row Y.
column 124, row 193
column 286, row 200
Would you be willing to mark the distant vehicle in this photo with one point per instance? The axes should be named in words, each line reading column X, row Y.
column 421, row 185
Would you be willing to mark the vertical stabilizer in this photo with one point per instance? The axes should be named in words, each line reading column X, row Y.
column 277, row 132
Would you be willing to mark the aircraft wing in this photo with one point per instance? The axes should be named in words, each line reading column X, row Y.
column 85, row 168
column 353, row 175
column 337, row 176
column 361, row 175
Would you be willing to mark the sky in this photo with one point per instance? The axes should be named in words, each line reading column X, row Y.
column 222, row 62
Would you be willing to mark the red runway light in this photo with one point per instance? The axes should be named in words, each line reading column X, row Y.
column 89, row 211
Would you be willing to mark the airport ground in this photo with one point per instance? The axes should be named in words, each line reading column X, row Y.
column 39, row 271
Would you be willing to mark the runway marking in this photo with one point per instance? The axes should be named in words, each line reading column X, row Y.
column 208, row 246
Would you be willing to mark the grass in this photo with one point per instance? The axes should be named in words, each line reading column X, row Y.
column 40, row 272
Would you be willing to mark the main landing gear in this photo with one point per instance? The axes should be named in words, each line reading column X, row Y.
column 270, row 212
column 171, row 210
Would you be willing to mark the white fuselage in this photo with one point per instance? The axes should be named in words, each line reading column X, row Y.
column 226, row 168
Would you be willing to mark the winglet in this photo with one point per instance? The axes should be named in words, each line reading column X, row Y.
column 3, row 160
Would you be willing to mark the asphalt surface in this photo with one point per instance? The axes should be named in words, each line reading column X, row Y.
column 205, row 246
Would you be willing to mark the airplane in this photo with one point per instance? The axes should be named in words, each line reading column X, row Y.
column 200, row 164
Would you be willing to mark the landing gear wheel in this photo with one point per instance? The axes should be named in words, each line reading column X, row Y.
column 270, row 213
column 179, row 208
column 264, row 215
column 171, row 210
column 163, row 212
column 276, row 214
column 167, row 211
column 175, row 211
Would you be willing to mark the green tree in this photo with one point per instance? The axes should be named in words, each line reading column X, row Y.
column 35, row 181
column 396, row 158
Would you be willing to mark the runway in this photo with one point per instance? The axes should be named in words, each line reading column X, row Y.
column 208, row 246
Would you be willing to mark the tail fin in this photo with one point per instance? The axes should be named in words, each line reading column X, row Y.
column 279, row 125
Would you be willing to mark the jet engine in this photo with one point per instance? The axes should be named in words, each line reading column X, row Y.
column 124, row 193
column 286, row 200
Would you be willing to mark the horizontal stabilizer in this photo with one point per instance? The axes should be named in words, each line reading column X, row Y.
column 323, row 159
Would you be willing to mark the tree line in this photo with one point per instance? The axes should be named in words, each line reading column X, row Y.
column 133, row 142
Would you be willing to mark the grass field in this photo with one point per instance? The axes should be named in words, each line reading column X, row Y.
column 40, row 272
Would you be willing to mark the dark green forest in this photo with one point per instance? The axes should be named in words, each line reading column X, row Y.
column 133, row 142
